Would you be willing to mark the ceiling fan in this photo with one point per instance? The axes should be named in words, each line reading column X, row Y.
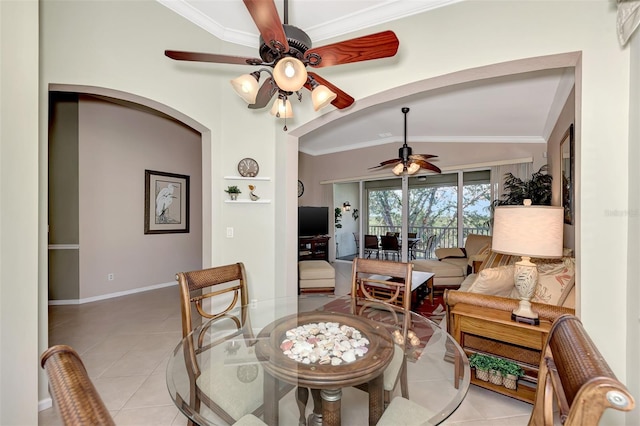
column 407, row 162
column 287, row 50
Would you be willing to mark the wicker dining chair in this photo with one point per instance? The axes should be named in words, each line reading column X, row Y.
column 575, row 379
column 386, row 287
column 226, row 284
column 75, row 397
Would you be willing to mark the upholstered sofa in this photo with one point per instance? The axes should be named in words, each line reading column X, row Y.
column 495, row 277
column 454, row 264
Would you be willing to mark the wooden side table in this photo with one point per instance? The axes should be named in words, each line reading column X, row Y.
column 492, row 332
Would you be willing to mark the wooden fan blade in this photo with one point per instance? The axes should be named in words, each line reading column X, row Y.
column 423, row 157
column 341, row 101
column 387, row 163
column 265, row 93
column 211, row 57
column 265, row 15
column 428, row 166
column 373, row 46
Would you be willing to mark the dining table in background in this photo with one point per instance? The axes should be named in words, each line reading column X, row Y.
column 246, row 365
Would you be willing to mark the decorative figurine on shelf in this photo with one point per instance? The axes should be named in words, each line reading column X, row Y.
column 233, row 192
column 253, row 196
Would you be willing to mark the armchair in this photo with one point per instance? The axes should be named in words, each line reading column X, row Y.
column 453, row 264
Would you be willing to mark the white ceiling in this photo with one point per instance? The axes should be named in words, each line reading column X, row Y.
column 521, row 108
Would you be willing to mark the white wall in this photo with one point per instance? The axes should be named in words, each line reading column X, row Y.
column 81, row 45
column 20, row 303
column 117, row 145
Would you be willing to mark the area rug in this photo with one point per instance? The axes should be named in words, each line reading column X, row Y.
column 435, row 312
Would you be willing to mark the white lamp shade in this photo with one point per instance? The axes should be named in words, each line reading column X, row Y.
column 282, row 109
column 290, row 74
column 246, row 86
column 532, row 231
column 322, row 96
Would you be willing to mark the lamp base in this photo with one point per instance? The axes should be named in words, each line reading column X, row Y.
column 525, row 320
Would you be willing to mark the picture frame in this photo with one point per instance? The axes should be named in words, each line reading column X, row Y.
column 166, row 203
column 567, row 171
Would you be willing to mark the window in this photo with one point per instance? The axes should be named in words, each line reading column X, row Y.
column 436, row 207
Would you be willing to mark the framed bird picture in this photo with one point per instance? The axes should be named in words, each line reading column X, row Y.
column 166, row 203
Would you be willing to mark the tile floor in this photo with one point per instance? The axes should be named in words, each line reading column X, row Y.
column 125, row 343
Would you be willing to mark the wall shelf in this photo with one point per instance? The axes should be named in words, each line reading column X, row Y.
column 264, row 178
column 247, row 201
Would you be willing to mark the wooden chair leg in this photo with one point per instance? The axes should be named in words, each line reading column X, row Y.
column 302, row 394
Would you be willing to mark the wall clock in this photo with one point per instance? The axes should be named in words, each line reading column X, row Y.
column 248, row 167
column 300, row 188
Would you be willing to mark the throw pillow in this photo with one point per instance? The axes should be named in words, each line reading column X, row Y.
column 555, row 281
column 494, row 260
column 494, row 281
column 455, row 252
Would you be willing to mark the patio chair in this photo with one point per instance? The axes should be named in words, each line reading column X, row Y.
column 390, row 245
column 371, row 246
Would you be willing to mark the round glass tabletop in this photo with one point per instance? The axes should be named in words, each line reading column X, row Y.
column 240, row 363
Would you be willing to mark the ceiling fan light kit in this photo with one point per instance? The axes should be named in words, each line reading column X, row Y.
column 246, row 86
column 282, row 108
column 288, row 51
column 290, row 74
column 321, row 96
column 407, row 162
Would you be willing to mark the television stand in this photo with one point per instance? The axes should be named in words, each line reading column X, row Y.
column 314, row 248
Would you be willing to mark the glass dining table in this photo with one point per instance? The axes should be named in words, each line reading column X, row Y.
column 257, row 359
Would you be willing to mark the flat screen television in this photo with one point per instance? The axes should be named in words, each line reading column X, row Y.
column 313, row 221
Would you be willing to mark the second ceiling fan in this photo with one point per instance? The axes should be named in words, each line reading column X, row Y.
column 285, row 53
column 408, row 162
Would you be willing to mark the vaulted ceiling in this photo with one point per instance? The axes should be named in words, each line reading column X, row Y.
column 519, row 108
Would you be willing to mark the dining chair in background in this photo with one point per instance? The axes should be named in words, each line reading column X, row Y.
column 393, row 303
column 389, row 245
column 412, row 236
column 371, row 245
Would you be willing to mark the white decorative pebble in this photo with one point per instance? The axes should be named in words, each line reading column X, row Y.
column 324, row 343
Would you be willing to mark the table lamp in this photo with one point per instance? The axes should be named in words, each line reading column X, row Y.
column 527, row 231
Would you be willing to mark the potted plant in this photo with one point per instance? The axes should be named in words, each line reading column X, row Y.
column 233, row 191
column 481, row 363
column 495, row 372
column 537, row 189
column 511, row 372
column 338, row 216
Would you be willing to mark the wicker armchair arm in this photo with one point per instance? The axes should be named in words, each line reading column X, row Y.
column 547, row 312
column 71, row 389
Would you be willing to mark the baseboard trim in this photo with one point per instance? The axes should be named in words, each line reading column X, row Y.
column 110, row 295
column 44, row 404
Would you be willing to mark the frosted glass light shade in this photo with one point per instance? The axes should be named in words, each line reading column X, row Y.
column 398, row 169
column 282, row 109
column 413, row 168
column 290, row 74
column 528, row 230
column 246, row 86
column 322, row 96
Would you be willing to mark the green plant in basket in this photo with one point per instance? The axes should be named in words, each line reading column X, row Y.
column 509, row 367
column 481, row 362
